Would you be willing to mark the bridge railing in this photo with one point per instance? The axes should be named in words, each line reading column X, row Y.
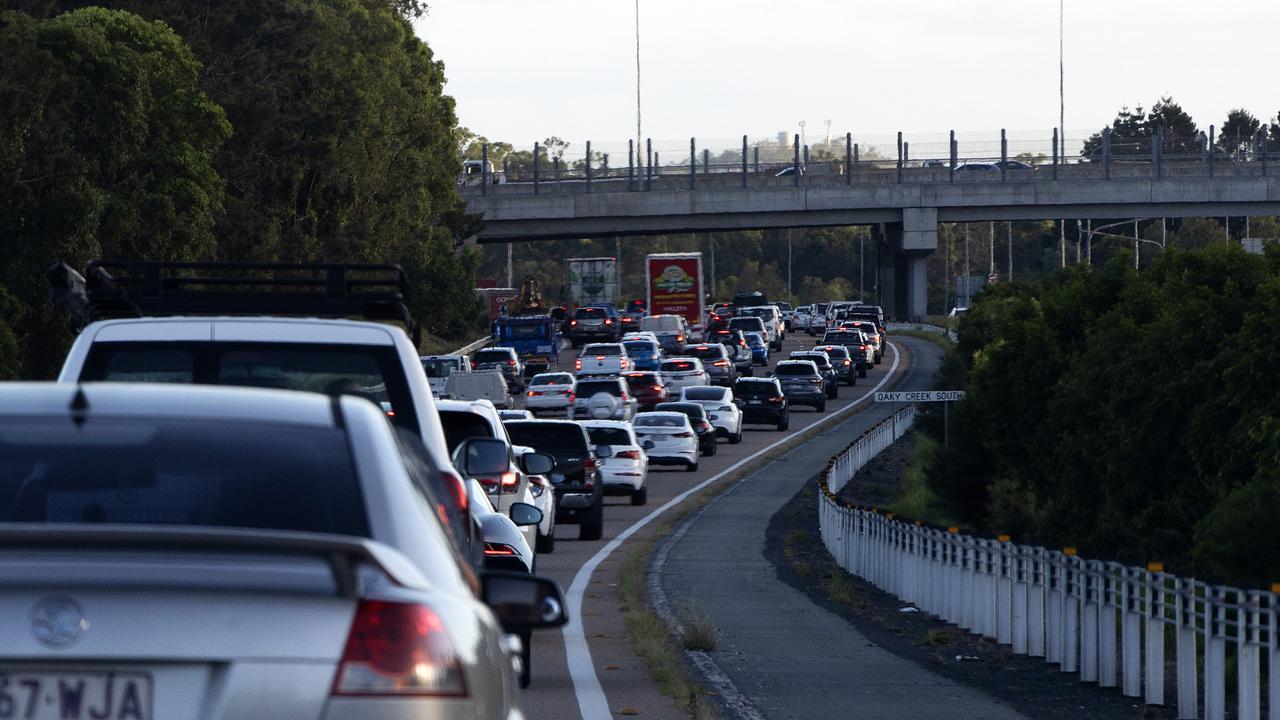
column 1108, row 623
column 844, row 161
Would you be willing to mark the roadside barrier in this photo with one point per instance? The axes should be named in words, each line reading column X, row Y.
column 923, row 327
column 472, row 347
column 1109, row 623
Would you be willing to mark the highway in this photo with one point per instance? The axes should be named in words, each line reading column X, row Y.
column 606, row 676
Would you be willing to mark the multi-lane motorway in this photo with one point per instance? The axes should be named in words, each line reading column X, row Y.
column 589, row 669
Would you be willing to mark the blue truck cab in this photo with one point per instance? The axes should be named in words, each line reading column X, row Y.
column 535, row 338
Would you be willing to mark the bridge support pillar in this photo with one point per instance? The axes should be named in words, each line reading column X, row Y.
column 904, row 248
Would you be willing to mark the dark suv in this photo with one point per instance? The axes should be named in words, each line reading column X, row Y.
column 845, row 364
column 647, row 388
column 593, row 324
column 802, row 383
column 856, row 343
column 762, row 401
column 830, row 375
column 576, row 479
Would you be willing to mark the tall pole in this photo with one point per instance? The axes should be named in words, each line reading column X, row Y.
column 1137, row 250
column 790, row 300
column 638, row 133
column 1008, row 228
column 946, row 293
column 968, row 289
column 991, row 245
column 1061, row 82
column 862, row 264
column 510, row 268
column 1062, row 240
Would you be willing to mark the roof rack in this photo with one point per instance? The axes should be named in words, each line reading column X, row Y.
column 130, row 288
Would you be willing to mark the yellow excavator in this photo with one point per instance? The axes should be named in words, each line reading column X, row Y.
column 529, row 301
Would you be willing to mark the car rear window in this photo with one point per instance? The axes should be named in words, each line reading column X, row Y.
column 693, row 410
column 755, row 389
column 179, row 472
column 709, row 352
column 650, row 420
column 547, row 435
column 606, row 350
column 741, row 323
column 643, row 380
column 639, row 347
column 491, row 356
column 677, row 365
column 461, row 425
column 660, row 324
column 371, row 372
column 590, row 313
column 797, row 369
column 558, row 379
column 439, row 368
column 704, row 393
column 587, row 388
column 837, row 352
column 609, row 436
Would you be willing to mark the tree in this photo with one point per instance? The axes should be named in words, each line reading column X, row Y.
column 1237, row 131
column 107, row 150
column 1132, row 132
column 1181, row 136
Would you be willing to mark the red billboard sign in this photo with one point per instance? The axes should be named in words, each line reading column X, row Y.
column 675, row 285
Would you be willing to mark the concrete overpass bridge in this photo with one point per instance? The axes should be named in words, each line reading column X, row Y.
column 903, row 205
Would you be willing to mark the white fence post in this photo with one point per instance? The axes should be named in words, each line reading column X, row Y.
column 1155, row 613
column 1035, row 604
column 1107, row 626
column 1215, row 655
column 1005, row 572
column 1053, row 624
column 1185, row 616
column 1248, row 666
column 1094, row 590
column 1021, row 581
column 1072, row 577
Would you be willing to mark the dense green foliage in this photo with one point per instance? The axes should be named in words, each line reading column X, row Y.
column 302, row 130
column 106, row 148
column 1134, row 414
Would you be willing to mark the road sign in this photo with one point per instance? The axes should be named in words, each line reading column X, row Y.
column 920, row 396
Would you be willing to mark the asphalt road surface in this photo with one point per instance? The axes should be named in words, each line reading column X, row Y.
column 614, row 678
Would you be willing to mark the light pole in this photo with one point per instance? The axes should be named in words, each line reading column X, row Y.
column 638, row 133
column 789, row 297
column 1062, row 92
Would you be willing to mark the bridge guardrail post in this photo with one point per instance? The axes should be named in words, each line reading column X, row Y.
column 954, row 150
column 484, row 169
column 706, row 161
column 1004, row 155
column 1262, row 150
column 1215, row 654
column 848, row 158
column 1106, row 153
column 756, row 161
column 1157, row 152
column 555, row 170
column 795, row 160
column 588, row 166
column 855, row 157
column 899, row 156
column 744, row 161
column 537, row 160
column 1055, row 153
column 693, row 163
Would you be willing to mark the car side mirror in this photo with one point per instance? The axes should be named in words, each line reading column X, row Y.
column 602, row 451
column 482, row 456
column 524, row 514
column 523, row 602
column 537, row 463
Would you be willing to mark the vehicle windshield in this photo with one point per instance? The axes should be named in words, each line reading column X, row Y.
column 143, row 471
column 462, row 425
column 788, row 369
column 548, row 436
column 372, row 372
column 660, row 420
column 440, row 367
column 704, row 393
column 553, row 379
column 609, row 436
column 487, row 357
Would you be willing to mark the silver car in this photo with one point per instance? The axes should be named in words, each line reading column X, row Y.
column 180, row 552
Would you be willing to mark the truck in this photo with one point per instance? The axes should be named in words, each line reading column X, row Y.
column 673, row 286
column 529, row 329
column 496, row 299
column 593, row 281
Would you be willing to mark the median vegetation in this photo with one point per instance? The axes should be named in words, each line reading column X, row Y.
column 1132, row 414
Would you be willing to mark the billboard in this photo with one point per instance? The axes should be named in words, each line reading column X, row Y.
column 673, row 283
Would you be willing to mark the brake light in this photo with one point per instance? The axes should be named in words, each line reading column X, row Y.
column 608, row 321
column 657, row 387
column 588, row 471
column 572, row 395
column 721, row 363
column 625, row 363
column 530, row 394
column 679, row 338
column 815, row 381
column 459, row 489
column 397, row 648
column 512, row 363
column 628, row 455
column 577, row 364
column 777, row 400
column 599, row 357
column 683, row 435
column 573, row 322
column 498, row 550
column 510, row 480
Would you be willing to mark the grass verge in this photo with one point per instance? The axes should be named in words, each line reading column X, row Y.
column 939, row 339
column 916, row 499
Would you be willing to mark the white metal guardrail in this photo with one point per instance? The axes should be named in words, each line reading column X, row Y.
column 923, row 327
column 472, row 347
column 1109, row 623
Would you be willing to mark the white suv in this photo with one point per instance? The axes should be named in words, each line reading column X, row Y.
column 722, row 411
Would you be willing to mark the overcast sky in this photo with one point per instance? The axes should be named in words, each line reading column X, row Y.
column 522, row 70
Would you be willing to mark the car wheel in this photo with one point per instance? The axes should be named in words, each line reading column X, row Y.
column 834, row 392
column 749, row 372
column 711, row 447
column 546, row 544
column 736, row 438
column 784, row 423
column 691, row 467
column 592, row 526
column 526, row 658
column 641, row 496
column 822, row 405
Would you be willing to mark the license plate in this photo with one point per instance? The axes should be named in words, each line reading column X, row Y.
column 44, row 695
column 755, row 402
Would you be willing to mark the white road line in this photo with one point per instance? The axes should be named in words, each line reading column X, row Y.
column 592, row 703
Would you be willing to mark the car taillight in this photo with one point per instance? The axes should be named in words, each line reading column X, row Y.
column 815, row 381
column 721, row 363
column 847, row 361
column 624, row 364
column 577, row 364
column 657, row 387
column 679, row 338
column 492, row 549
column 628, row 454
column 509, row 480
column 572, row 395
column 573, row 322
column 683, row 435
column 459, row 488
column 512, row 363
column 777, row 400
column 398, row 649
column 608, row 321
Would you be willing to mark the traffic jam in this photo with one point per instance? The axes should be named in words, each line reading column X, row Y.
column 248, row 488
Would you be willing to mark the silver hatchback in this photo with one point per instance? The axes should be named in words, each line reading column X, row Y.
column 184, row 552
